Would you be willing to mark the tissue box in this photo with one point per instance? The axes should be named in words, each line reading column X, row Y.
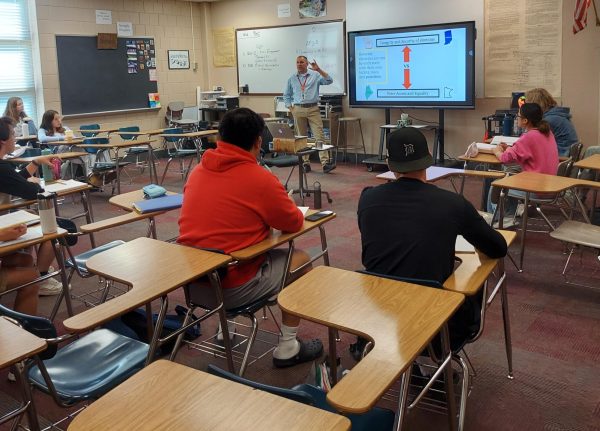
column 282, row 145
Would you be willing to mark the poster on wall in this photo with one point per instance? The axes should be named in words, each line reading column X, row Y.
column 312, row 8
column 179, row 59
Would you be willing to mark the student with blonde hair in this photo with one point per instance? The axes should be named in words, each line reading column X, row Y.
column 559, row 118
column 15, row 110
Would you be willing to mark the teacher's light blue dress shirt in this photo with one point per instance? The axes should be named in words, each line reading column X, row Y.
column 293, row 94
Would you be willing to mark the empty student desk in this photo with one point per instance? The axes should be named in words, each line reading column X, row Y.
column 533, row 182
column 16, row 344
column 592, row 163
column 169, row 396
column 142, row 264
column 401, row 319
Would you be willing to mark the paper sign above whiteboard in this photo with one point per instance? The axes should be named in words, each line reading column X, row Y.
column 284, row 10
column 124, row 29
column 103, row 17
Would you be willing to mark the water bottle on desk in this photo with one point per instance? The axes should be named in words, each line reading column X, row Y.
column 47, row 212
column 47, row 173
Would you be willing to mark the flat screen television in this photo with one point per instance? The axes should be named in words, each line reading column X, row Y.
column 428, row 66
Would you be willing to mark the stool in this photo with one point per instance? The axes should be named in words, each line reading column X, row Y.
column 343, row 126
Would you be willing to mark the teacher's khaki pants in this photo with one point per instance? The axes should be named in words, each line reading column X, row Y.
column 304, row 117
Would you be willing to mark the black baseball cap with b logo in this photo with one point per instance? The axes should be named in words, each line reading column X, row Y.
column 408, row 151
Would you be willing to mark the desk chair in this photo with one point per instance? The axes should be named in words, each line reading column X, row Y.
column 133, row 151
column 175, row 150
column 91, row 128
column 83, row 370
column 580, row 236
column 174, row 117
column 377, row 419
column 103, row 168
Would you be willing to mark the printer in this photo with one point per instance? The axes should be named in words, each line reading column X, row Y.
column 228, row 102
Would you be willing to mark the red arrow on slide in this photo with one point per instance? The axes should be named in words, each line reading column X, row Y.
column 407, row 83
column 406, row 52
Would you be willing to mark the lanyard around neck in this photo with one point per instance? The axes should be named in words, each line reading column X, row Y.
column 302, row 84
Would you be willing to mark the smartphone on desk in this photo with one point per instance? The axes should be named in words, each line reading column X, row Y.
column 318, row 216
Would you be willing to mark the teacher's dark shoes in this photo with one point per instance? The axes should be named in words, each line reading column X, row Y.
column 328, row 167
column 309, row 351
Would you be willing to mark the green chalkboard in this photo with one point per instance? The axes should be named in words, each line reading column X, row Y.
column 96, row 80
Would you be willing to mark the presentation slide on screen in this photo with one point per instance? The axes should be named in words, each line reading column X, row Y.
column 428, row 65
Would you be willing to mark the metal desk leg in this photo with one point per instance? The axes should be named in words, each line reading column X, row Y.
column 403, row 399
column 381, row 143
column 89, row 213
column 63, row 275
column 506, row 319
column 523, row 232
column 27, row 396
column 301, row 179
column 118, row 171
column 333, row 355
column 151, row 167
column 448, row 382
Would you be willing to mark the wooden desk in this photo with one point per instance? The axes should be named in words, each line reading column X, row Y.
column 62, row 156
column 593, row 163
column 17, row 344
column 400, row 318
column 483, row 158
column 26, row 138
column 141, row 264
column 436, row 173
column 197, row 134
column 169, row 396
column 116, row 146
column 543, row 184
column 151, row 132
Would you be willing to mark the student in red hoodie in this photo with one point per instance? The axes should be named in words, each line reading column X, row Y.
column 229, row 203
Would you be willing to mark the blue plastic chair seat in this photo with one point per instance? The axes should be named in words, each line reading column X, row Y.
column 81, row 259
column 91, row 366
column 374, row 420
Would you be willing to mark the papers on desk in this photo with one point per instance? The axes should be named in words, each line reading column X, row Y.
column 18, row 217
column 32, row 233
column 485, row 148
column 17, row 153
column 463, row 246
column 304, row 210
column 508, row 140
column 63, row 185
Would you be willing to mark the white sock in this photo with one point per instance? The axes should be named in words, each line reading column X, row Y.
column 288, row 345
column 230, row 328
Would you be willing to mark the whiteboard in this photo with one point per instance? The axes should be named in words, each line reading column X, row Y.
column 266, row 57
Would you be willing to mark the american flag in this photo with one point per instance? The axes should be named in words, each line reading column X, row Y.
column 580, row 15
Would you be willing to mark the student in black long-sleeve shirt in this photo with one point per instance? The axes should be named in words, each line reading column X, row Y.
column 409, row 227
column 24, row 184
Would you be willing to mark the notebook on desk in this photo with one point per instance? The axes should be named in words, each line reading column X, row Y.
column 19, row 217
column 162, row 203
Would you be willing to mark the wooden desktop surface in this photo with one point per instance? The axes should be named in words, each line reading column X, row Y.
column 489, row 159
column 119, row 220
column 542, row 183
column 474, row 269
column 117, row 145
column 62, row 156
column 8, row 249
column 20, row 203
column 169, row 396
column 100, row 130
column 153, row 268
column 277, row 238
column 144, row 132
column 401, row 319
column 126, row 200
column 17, row 344
column 591, row 162
column 26, row 138
column 197, row 134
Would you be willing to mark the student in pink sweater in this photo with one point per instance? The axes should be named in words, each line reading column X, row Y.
column 534, row 151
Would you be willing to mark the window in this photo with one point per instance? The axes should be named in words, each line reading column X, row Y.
column 16, row 59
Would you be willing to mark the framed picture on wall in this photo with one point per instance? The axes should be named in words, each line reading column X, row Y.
column 179, row 59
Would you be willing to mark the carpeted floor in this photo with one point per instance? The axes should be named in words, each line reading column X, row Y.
column 555, row 326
